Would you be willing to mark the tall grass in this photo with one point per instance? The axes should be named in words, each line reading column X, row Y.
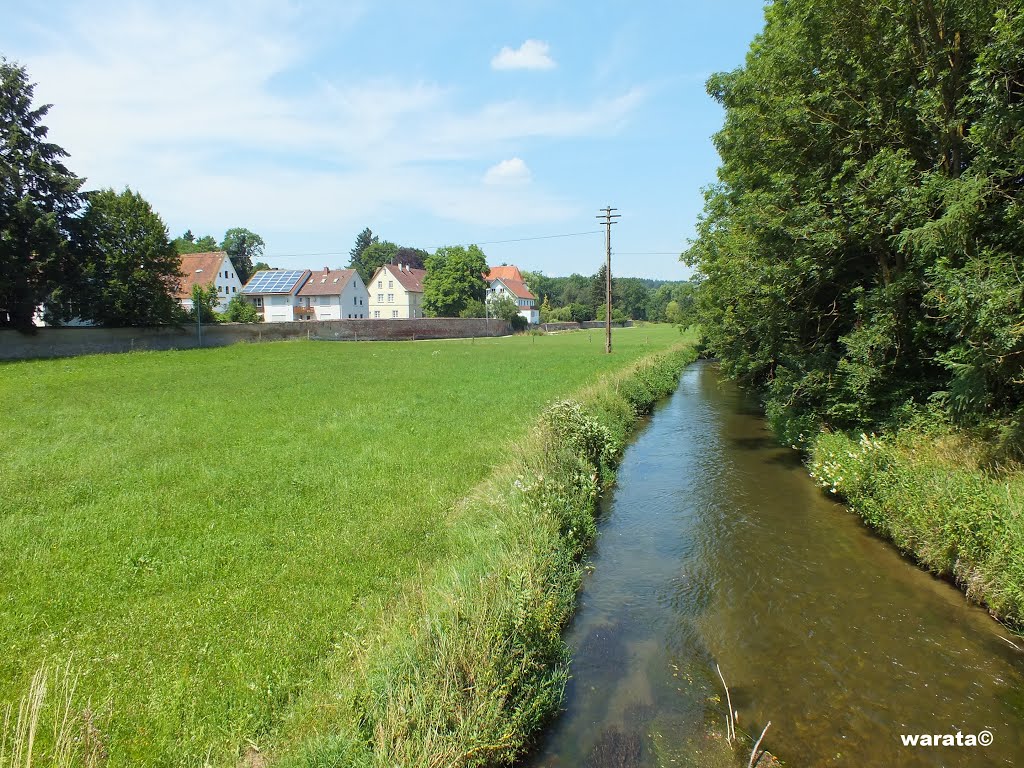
column 933, row 496
column 74, row 738
column 216, row 536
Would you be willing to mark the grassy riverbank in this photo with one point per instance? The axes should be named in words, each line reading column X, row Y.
column 214, row 539
column 932, row 495
column 472, row 664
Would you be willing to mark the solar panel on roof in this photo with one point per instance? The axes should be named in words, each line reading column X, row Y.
column 273, row 281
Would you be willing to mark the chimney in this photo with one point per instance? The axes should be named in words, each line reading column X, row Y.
column 326, row 270
column 401, row 267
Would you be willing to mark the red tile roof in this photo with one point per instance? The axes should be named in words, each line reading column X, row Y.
column 328, row 282
column 517, row 288
column 507, row 272
column 199, row 269
column 411, row 279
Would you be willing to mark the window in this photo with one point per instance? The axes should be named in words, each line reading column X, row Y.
column 355, row 300
column 391, row 283
column 259, row 301
column 360, row 302
column 391, row 298
column 376, row 313
column 380, row 283
column 234, row 289
column 380, row 298
column 394, row 313
column 220, row 289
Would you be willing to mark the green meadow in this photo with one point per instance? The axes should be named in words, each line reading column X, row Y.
column 196, row 535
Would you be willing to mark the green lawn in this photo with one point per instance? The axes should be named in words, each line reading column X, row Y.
column 198, row 532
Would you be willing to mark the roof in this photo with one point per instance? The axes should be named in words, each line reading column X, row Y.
column 199, row 269
column 411, row 279
column 505, row 272
column 329, row 282
column 276, row 281
column 516, row 288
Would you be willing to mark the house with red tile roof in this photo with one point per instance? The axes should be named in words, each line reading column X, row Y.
column 396, row 291
column 333, row 294
column 206, row 269
column 507, row 280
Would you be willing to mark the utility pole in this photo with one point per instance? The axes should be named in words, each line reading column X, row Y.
column 608, row 218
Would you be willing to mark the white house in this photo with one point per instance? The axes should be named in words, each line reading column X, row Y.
column 508, row 281
column 333, row 295
column 274, row 292
column 205, row 269
column 396, row 290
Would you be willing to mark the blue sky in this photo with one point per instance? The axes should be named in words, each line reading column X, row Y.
column 432, row 124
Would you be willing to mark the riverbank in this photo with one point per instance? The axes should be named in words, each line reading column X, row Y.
column 930, row 493
column 472, row 663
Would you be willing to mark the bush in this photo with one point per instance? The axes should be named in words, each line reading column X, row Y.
column 241, row 311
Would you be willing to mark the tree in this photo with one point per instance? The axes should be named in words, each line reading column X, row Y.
column 241, row 311
column 242, row 246
column 580, row 313
column 630, row 297
column 598, row 287
column 503, row 308
column 204, row 302
column 131, row 270
column 364, row 240
column 412, row 257
column 454, row 278
column 858, row 253
column 189, row 243
column 38, row 198
column 259, row 265
column 543, row 287
column 474, row 308
column 373, row 258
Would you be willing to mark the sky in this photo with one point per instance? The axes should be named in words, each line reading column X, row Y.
column 506, row 124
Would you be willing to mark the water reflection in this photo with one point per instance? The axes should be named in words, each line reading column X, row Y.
column 716, row 547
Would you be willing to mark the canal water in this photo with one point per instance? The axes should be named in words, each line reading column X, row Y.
column 716, row 547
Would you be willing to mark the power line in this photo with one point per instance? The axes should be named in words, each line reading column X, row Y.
column 486, row 242
column 524, row 239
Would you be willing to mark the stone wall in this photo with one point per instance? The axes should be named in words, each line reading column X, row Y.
column 67, row 342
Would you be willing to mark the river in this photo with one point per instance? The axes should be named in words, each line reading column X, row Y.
column 716, row 547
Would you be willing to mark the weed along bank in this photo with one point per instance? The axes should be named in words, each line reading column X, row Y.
column 241, row 594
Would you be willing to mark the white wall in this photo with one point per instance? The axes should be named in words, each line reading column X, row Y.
column 405, row 303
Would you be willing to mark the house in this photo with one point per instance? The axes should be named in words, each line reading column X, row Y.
column 274, row 293
column 396, row 290
column 508, row 281
column 204, row 270
column 337, row 294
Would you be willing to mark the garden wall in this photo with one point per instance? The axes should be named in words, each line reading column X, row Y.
column 67, row 342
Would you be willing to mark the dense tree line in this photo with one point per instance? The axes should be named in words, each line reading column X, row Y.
column 859, row 256
column 578, row 297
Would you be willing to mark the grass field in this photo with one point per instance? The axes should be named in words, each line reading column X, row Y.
column 198, row 533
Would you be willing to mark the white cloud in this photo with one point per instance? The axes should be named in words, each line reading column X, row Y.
column 533, row 54
column 511, row 171
column 220, row 130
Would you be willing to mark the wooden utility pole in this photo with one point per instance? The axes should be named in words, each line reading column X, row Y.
column 608, row 218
